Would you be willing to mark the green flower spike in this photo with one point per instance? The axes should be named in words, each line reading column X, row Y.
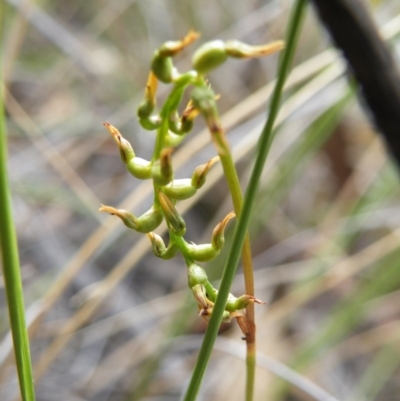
column 174, row 220
column 138, row 167
column 185, row 188
column 207, row 252
column 159, row 248
column 213, row 54
column 162, row 65
column 147, row 222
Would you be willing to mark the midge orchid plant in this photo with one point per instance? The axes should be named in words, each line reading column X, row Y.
column 171, row 130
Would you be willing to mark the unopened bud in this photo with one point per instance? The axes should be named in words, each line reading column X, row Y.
column 162, row 171
column 147, row 222
column 234, row 304
column 150, row 123
column 174, row 220
column 140, row 168
column 202, row 252
column 207, row 252
column 180, row 189
column 200, row 174
column 172, row 140
column 124, row 146
column 163, row 68
column 159, row 248
column 196, row 275
column 171, row 48
column 218, row 238
column 209, row 56
column 149, row 102
column 213, row 54
column 162, row 65
column 238, row 49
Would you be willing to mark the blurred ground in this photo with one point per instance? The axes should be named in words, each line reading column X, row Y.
column 118, row 324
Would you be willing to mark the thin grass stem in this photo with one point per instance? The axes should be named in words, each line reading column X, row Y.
column 12, row 274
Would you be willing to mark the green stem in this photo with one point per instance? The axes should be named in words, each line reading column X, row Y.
column 244, row 217
column 12, row 274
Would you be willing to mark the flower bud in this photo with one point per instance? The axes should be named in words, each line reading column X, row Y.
column 171, row 48
column 162, row 65
column 124, row 146
column 234, row 304
column 172, row 140
column 162, row 171
column 188, row 116
column 209, row 56
column 163, row 68
column 159, row 248
column 238, row 49
column 213, row 54
column 202, row 252
column 196, row 275
column 149, row 102
column 139, row 168
column 179, row 189
column 150, row 123
column 147, row 222
column 218, row 238
column 174, row 220
column 199, row 175
column 201, row 298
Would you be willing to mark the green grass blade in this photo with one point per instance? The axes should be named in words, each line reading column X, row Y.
column 240, row 232
column 12, row 274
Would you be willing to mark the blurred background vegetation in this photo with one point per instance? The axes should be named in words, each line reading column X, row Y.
column 110, row 321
